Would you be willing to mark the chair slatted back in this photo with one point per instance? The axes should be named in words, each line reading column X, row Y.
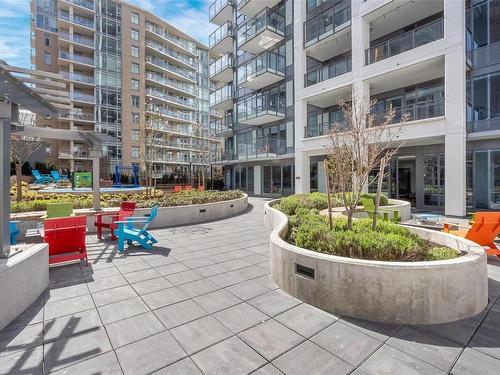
column 151, row 216
column 485, row 228
column 65, row 234
column 127, row 209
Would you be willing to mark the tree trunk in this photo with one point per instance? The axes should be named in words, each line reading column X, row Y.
column 379, row 190
column 349, row 220
column 19, row 193
column 328, row 193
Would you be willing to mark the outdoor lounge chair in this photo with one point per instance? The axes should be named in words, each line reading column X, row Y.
column 41, row 178
column 188, row 188
column 13, row 232
column 58, row 210
column 126, row 210
column 483, row 231
column 369, row 207
column 127, row 232
column 59, row 177
column 177, row 188
column 66, row 238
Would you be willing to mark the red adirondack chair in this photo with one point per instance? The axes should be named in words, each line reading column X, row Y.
column 66, row 238
column 188, row 188
column 126, row 209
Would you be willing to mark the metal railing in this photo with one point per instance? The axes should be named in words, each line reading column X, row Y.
column 75, row 38
column 333, row 69
column 176, row 114
column 223, row 31
column 83, row 3
column 183, row 43
column 182, row 86
column 75, row 116
column 260, row 104
column 77, row 58
column 266, row 62
column 83, row 97
column 417, row 111
column 266, row 146
column 405, row 42
column 222, row 125
column 217, row 6
column 221, row 94
column 173, row 98
column 79, row 20
column 222, row 63
column 78, row 77
column 325, row 23
column 266, row 19
column 170, row 52
column 172, row 68
column 324, row 128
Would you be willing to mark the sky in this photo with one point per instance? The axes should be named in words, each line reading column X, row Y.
column 190, row 16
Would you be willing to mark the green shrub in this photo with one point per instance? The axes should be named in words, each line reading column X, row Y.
column 442, row 253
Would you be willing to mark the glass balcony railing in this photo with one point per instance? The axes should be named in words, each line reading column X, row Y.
column 417, row 111
column 331, row 70
column 76, row 58
column 266, row 146
column 188, row 74
column 267, row 62
column 79, row 20
column 223, row 31
column 170, row 52
column 75, row 38
column 79, row 96
column 181, row 42
column 222, row 63
column 324, row 128
column 185, row 116
column 266, row 19
column 325, row 23
column 185, row 87
column 83, row 3
column 172, row 98
column 222, row 94
column 77, row 116
column 78, row 77
column 222, row 125
column 405, row 42
column 260, row 104
column 217, row 6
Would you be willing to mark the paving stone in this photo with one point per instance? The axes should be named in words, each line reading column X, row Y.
column 198, row 287
column 107, row 283
column 122, row 310
column 267, row 281
column 429, row 348
column 240, row 317
column 132, row 329
column 108, row 296
column 305, row 319
column 28, row 361
column 308, row 358
column 247, row 289
column 184, row 277
column 253, row 271
column 149, row 354
column 227, row 278
column 21, row 338
column 211, row 270
column 183, row 367
column 255, row 258
column 159, row 261
column 199, row 334
column 67, row 306
column 474, row 362
column 164, row 297
column 196, row 263
column 268, row 369
column 66, row 275
column 73, row 349
column 487, row 340
column 69, row 325
column 388, row 360
column 216, row 301
column 231, row 356
column 32, row 315
column 92, row 274
column 379, row 331
column 171, row 268
column 146, row 274
column 64, row 292
column 179, row 313
column 104, row 364
column 235, row 264
column 133, row 267
column 273, row 302
column 152, row 285
column 270, row 339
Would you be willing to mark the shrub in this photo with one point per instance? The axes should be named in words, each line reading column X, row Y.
column 442, row 253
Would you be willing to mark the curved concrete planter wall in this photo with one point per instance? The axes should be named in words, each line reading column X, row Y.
column 393, row 292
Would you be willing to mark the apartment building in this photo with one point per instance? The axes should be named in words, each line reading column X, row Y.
column 122, row 64
column 254, row 78
column 436, row 61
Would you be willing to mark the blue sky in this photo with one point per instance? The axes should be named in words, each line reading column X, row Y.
column 190, row 16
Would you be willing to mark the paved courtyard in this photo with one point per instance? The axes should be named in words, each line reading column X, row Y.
column 203, row 303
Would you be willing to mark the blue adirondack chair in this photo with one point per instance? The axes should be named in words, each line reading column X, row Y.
column 14, row 232
column 59, row 177
column 126, row 231
column 40, row 178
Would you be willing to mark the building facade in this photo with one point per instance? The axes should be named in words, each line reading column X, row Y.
column 436, row 61
column 123, row 64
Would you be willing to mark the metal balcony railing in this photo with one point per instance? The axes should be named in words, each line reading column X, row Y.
column 217, row 6
column 333, row 69
column 83, row 3
column 173, row 98
column 405, row 42
column 221, row 94
column 182, row 86
column 223, row 31
column 266, row 62
column 183, row 43
column 76, row 58
column 316, row 130
column 176, row 114
column 260, row 104
column 266, row 19
column 78, row 77
column 83, row 97
column 79, row 20
column 266, row 146
column 417, row 111
column 222, row 63
column 170, row 52
column 325, row 23
column 75, row 38
column 172, row 68
column 75, row 116
column 222, row 125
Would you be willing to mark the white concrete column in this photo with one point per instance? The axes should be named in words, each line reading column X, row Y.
column 5, row 113
column 360, row 39
column 96, row 192
column 257, row 179
column 302, row 173
column 455, row 109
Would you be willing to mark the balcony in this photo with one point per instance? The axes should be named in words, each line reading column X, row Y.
column 177, row 42
column 179, row 72
column 77, row 77
column 261, row 32
column 176, row 100
column 221, row 11
column 221, row 40
column 327, row 23
column 223, row 127
column 76, row 154
column 221, row 70
column 264, row 147
column 76, row 38
column 414, row 112
column 77, row 116
column 405, row 42
column 82, row 97
column 251, row 7
column 182, row 87
column 178, row 57
column 77, row 20
column 262, row 71
column 87, row 4
column 176, row 115
column 75, row 58
column 317, row 130
column 260, row 109
column 222, row 98
column 332, row 70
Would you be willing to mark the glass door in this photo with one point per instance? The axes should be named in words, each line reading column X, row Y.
column 434, row 180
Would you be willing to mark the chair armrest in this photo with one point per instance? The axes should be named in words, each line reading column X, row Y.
column 107, row 213
column 130, row 221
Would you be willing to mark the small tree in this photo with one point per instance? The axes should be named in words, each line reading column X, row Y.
column 21, row 148
column 357, row 147
column 203, row 150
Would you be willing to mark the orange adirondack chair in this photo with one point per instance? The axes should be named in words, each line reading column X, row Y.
column 177, row 188
column 483, row 231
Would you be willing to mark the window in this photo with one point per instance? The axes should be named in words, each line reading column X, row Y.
column 134, row 34
column 134, row 18
column 47, row 58
column 135, row 84
column 135, row 152
column 134, row 51
column 135, row 135
column 135, row 101
column 135, row 118
column 47, row 40
column 134, row 68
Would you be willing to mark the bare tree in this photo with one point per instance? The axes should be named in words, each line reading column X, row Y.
column 357, row 147
column 21, row 148
column 204, row 152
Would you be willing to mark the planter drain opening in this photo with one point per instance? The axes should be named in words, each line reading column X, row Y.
column 304, row 271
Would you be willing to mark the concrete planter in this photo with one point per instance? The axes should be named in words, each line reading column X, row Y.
column 23, row 277
column 393, row 292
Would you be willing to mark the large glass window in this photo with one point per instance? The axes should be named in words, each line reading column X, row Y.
column 434, row 180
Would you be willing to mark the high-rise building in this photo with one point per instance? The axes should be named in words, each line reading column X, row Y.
column 121, row 64
column 436, row 61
